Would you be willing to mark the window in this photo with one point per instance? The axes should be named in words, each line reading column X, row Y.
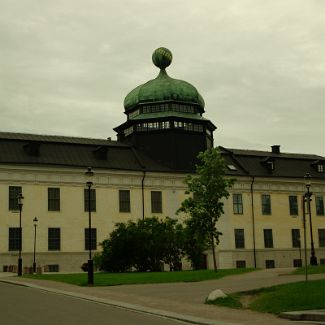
column 54, row 239
column 266, row 204
column 169, row 107
column 14, row 191
column 53, row 268
column 92, row 199
column 295, row 235
column 239, row 238
column 321, row 237
column 93, row 239
column 156, row 202
column 319, row 205
column 320, row 168
column 14, row 239
column 232, row 167
column 53, row 199
column 269, row 264
column 240, row 264
column 134, row 113
column 293, row 205
column 268, row 238
column 297, row 262
column 237, row 200
column 124, row 199
column 128, row 131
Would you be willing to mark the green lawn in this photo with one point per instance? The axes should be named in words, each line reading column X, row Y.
column 310, row 269
column 277, row 299
column 111, row 279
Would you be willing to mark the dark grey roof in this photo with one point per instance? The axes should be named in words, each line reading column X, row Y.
column 49, row 150
column 252, row 153
column 22, row 149
column 57, row 138
column 269, row 164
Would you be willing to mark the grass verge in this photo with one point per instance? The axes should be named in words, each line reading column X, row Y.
column 311, row 269
column 111, row 279
column 277, row 299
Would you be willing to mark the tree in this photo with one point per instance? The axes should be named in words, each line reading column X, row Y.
column 208, row 187
column 173, row 234
column 194, row 243
column 143, row 245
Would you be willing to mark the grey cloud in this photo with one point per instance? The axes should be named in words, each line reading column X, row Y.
column 66, row 66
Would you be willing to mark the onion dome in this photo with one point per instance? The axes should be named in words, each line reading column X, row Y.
column 163, row 88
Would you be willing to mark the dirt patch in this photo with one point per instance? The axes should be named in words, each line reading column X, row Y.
column 246, row 300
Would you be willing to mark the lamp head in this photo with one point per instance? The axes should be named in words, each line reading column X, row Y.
column 89, row 176
column 307, row 178
column 20, row 199
column 35, row 220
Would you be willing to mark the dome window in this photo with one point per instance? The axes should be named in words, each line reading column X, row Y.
column 134, row 113
column 128, row 131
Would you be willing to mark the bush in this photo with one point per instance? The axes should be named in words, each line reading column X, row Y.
column 143, row 245
column 84, row 267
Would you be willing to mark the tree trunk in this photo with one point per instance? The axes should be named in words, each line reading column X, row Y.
column 213, row 254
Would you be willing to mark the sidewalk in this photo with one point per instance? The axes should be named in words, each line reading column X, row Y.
column 183, row 301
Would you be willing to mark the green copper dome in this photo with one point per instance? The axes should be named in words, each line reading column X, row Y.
column 163, row 88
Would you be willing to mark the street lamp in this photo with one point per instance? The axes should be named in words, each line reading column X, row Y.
column 89, row 175
column 308, row 194
column 299, row 246
column 305, row 236
column 20, row 199
column 34, row 261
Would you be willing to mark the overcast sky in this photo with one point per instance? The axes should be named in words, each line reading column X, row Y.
column 67, row 65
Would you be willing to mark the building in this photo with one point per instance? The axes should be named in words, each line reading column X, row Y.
column 263, row 224
column 142, row 175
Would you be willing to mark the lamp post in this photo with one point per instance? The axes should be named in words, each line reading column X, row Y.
column 89, row 175
column 305, row 235
column 308, row 194
column 34, row 260
column 299, row 243
column 20, row 261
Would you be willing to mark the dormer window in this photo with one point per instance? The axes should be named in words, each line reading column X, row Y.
column 32, row 148
column 319, row 165
column 232, row 167
column 269, row 163
column 100, row 153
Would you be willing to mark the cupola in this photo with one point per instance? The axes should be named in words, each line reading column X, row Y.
column 163, row 88
column 164, row 118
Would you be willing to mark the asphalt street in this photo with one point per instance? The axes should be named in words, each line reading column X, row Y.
column 28, row 306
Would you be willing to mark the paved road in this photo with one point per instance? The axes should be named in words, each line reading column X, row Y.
column 182, row 298
column 28, row 306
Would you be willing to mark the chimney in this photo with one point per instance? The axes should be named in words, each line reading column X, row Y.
column 275, row 148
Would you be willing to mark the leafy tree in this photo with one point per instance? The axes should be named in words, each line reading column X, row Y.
column 174, row 241
column 194, row 243
column 143, row 244
column 118, row 249
column 208, row 187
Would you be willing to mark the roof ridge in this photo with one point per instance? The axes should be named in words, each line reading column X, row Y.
column 59, row 139
column 272, row 154
column 49, row 135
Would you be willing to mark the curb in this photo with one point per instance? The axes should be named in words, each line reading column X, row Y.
column 123, row 305
column 305, row 315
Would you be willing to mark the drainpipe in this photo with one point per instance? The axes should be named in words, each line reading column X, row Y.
column 253, row 219
column 142, row 189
